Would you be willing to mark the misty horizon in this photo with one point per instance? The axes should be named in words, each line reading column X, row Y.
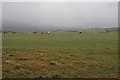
column 59, row 15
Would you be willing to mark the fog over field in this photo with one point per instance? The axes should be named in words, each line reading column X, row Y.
column 58, row 15
column 119, row 15
column 0, row 16
column 59, row 40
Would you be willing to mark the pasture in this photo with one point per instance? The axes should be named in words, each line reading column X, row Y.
column 60, row 55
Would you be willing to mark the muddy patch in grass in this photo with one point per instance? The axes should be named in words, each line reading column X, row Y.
column 34, row 64
column 27, row 56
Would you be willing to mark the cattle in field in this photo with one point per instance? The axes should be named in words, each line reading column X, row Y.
column 42, row 33
column 35, row 32
column 80, row 32
column 13, row 32
column 48, row 32
column 5, row 32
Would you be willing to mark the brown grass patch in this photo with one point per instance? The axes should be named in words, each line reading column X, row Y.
column 8, row 66
column 29, row 55
column 9, row 62
column 34, row 64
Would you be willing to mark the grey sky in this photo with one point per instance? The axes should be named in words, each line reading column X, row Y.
column 119, row 15
column 60, row 0
column 59, row 14
column 0, row 15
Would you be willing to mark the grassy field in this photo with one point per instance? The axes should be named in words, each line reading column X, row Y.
column 60, row 55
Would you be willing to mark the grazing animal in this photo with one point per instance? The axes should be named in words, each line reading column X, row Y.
column 35, row 32
column 41, row 32
column 80, row 32
column 13, row 32
column 48, row 32
column 5, row 32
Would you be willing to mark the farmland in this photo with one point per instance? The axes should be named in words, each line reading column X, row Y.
column 60, row 55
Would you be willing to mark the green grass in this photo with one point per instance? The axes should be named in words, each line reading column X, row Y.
column 60, row 54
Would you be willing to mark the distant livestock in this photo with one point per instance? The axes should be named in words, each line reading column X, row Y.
column 80, row 32
column 48, row 32
column 35, row 32
column 13, row 32
column 41, row 32
column 5, row 32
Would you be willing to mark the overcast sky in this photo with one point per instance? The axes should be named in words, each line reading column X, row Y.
column 60, row 0
column 59, row 14
column 0, row 15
